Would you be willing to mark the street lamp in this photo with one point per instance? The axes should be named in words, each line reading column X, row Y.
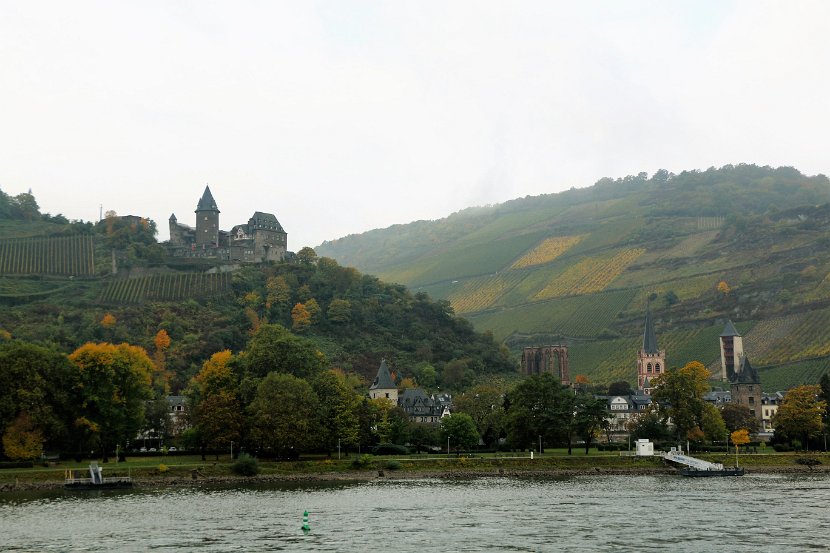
column 448, row 446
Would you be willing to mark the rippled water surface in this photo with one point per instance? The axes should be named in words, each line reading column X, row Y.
column 591, row 513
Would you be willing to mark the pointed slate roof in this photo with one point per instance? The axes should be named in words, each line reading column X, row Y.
column 173, row 217
column 646, row 383
column 207, row 203
column 649, row 336
column 729, row 329
column 383, row 381
column 747, row 374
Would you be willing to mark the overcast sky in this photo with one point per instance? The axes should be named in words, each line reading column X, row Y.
column 344, row 116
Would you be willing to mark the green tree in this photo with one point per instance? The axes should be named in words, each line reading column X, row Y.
column 539, row 406
column 339, row 405
column 800, row 412
column 216, row 408
column 340, row 311
column 679, row 396
column 284, row 416
column 460, row 428
column 824, row 384
column 485, row 404
column 307, row 256
column 274, row 348
column 712, row 423
column 112, row 383
column 647, row 425
column 591, row 418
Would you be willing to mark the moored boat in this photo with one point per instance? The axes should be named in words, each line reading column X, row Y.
column 96, row 480
column 713, row 472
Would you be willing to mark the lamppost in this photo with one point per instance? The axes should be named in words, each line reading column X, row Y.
column 338, row 449
column 448, row 445
column 540, row 444
column 231, row 450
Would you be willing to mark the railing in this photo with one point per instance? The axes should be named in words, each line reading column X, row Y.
column 104, row 481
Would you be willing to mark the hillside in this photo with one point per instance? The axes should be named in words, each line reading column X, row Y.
column 579, row 267
column 58, row 289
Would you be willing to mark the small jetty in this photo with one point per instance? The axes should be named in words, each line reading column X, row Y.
column 695, row 467
column 96, row 481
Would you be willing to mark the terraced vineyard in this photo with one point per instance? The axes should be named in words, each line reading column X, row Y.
column 52, row 255
column 480, row 293
column 808, row 337
column 784, row 376
column 168, row 287
column 590, row 275
column 545, row 252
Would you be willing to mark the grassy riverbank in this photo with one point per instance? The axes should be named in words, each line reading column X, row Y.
column 185, row 470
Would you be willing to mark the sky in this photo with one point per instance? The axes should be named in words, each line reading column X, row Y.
column 344, row 116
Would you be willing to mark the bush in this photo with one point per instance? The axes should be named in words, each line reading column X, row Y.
column 393, row 465
column 162, row 468
column 362, row 461
column 390, row 449
column 780, row 448
column 245, row 465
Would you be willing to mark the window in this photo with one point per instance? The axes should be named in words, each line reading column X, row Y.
column 648, row 368
column 657, row 368
column 387, row 394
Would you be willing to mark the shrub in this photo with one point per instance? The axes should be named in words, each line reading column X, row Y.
column 362, row 461
column 390, row 449
column 393, row 465
column 245, row 465
column 162, row 468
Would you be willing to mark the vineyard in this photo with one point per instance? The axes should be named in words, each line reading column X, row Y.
column 807, row 337
column 590, row 275
column 783, row 377
column 548, row 250
column 583, row 316
column 691, row 245
column 480, row 293
column 168, row 287
column 53, row 255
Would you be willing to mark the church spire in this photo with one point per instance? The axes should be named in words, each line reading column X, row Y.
column 649, row 336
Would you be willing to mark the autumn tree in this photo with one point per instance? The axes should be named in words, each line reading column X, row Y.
column 300, row 318
column 161, row 378
column 112, row 383
column 723, row 288
column 679, row 396
column 284, row 415
column 214, row 397
column 278, row 294
column 800, row 413
column 739, row 437
column 22, row 440
column 738, row 416
column 108, row 320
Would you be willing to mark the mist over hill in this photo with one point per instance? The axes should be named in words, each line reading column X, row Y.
column 741, row 242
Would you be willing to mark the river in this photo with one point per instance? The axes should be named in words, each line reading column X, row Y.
column 579, row 513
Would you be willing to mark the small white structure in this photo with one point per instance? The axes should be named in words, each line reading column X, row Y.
column 644, row 448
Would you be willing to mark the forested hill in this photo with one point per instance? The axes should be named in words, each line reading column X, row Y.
column 57, row 289
column 742, row 242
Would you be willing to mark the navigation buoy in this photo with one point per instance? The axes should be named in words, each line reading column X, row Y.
column 306, row 528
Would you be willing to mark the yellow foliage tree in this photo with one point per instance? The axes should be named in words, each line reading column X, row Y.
column 108, row 320
column 22, row 441
column 723, row 288
column 300, row 317
column 161, row 378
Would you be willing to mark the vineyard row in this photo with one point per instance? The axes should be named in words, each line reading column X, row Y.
column 165, row 287
column 55, row 255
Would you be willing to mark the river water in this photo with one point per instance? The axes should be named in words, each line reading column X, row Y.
column 584, row 513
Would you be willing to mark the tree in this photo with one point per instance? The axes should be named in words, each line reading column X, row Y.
column 539, row 406
column 339, row 405
column 485, row 404
column 739, row 438
column 824, row 384
column 300, row 318
column 648, row 425
column 461, row 431
column 340, row 311
column 591, row 418
column 214, row 397
column 313, row 309
column 619, row 388
column 22, row 441
column 278, row 292
column 108, row 320
column 723, row 288
column 800, row 412
column 737, row 416
column 161, row 378
column 679, row 396
column 284, row 415
column 112, row 383
column 712, row 423
column 274, row 348
column 307, row 256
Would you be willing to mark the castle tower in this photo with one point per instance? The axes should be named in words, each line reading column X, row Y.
column 651, row 361
column 746, row 388
column 207, row 221
column 383, row 386
column 731, row 351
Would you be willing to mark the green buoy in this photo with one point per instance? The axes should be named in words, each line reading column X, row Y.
column 306, row 528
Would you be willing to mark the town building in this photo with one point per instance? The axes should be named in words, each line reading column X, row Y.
column 651, row 360
column 261, row 239
column 383, row 386
column 424, row 408
column 731, row 351
column 547, row 359
column 746, row 388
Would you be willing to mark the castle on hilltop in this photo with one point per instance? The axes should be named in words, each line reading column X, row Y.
column 261, row 239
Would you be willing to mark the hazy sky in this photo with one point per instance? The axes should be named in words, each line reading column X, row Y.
column 344, row 116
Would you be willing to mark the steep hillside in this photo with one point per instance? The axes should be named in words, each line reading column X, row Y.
column 580, row 267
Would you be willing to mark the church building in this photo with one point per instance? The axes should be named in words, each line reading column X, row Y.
column 651, row 360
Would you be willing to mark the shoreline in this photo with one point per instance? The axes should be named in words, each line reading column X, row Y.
column 162, row 482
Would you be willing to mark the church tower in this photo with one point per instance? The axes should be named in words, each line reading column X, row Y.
column 651, row 361
column 731, row 351
column 207, row 221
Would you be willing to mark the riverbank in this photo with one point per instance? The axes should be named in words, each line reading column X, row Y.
column 162, row 481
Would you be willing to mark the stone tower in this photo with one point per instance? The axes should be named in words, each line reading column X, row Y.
column 383, row 387
column 651, row 361
column 207, row 221
column 746, row 388
column 731, row 351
